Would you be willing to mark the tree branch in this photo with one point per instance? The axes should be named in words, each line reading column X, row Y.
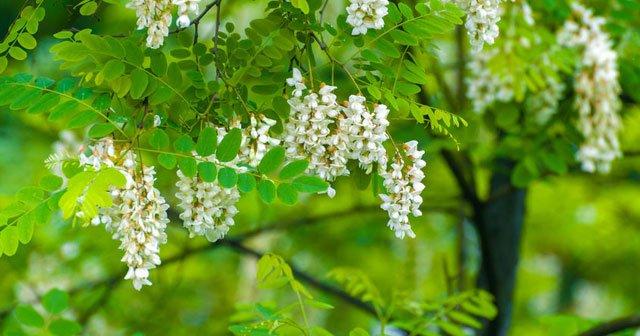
column 613, row 326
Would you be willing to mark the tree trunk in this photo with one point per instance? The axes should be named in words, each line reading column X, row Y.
column 499, row 223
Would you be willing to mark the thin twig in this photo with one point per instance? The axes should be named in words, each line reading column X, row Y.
column 613, row 326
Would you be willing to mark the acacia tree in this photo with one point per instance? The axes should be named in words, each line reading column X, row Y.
column 302, row 98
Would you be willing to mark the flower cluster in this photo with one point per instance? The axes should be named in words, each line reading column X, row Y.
column 138, row 217
column 330, row 134
column 482, row 21
column 208, row 208
column 366, row 14
column 256, row 139
column 597, row 89
column 156, row 16
column 404, row 186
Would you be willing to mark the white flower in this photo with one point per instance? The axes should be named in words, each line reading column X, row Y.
column 312, row 131
column 297, row 81
column 257, row 141
column 482, row 21
column 329, row 135
column 597, row 89
column 367, row 132
column 207, row 208
column 366, row 14
column 138, row 216
column 404, row 186
column 157, row 120
column 156, row 15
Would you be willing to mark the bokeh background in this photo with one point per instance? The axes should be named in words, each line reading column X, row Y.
column 580, row 251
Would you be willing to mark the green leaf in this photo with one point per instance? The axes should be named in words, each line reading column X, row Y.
column 17, row 53
column 207, row 171
column 229, row 146
column 3, row 63
column 159, row 139
column 88, row 8
column 51, row 182
column 9, row 240
column 62, row 35
column 358, row 332
column 184, row 144
column 167, row 160
column 64, row 327
column 464, row 319
column 27, row 41
column 100, row 130
column 188, row 166
column 271, row 160
column 246, row 182
column 44, row 103
column 139, row 82
column 25, row 228
column 319, row 331
column 227, row 177
column 294, row 169
column 55, row 301
column 451, row 329
column 93, row 189
column 302, row 5
column 207, row 142
column 287, row 193
column 28, row 316
column 310, row 184
column 267, row 191
column 82, row 119
column 113, row 69
column 319, row 304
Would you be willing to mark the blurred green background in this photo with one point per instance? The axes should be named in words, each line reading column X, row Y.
column 580, row 249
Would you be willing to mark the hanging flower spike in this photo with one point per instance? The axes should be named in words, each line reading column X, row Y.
column 597, row 89
column 404, row 186
column 138, row 216
column 366, row 14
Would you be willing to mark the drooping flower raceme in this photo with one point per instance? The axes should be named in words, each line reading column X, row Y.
column 330, row 135
column 256, row 140
column 156, row 16
column 404, row 186
column 482, row 21
column 138, row 216
column 597, row 89
column 368, row 131
column 363, row 15
column 313, row 132
column 208, row 208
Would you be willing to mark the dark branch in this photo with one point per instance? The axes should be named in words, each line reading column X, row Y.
column 613, row 326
